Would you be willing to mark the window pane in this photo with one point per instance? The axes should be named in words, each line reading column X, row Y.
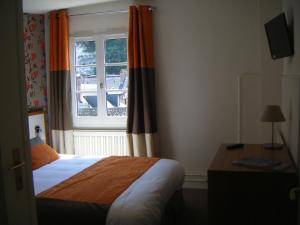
column 116, row 103
column 86, row 79
column 86, row 104
column 116, row 50
column 116, row 77
column 85, row 52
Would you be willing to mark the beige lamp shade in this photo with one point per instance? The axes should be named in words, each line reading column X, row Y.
column 272, row 113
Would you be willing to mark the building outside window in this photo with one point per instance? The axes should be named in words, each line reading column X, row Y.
column 99, row 76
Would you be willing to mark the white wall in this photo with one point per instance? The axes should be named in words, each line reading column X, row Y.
column 271, row 69
column 291, row 80
column 101, row 23
column 201, row 48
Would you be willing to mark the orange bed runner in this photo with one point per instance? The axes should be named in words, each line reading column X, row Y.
column 102, row 182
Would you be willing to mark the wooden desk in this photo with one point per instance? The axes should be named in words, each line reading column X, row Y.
column 247, row 196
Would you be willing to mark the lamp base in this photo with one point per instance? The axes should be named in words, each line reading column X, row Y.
column 273, row 146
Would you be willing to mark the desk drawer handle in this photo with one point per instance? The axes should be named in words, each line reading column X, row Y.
column 293, row 192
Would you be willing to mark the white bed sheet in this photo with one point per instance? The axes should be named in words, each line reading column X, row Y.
column 141, row 204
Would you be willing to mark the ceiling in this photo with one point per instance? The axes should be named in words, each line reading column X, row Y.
column 42, row 6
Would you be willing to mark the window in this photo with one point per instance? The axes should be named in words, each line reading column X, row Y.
column 99, row 73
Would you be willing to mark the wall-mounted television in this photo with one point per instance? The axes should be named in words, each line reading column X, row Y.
column 279, row 37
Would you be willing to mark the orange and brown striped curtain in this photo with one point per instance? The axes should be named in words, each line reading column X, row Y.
column 141, row 121
column 60, row 84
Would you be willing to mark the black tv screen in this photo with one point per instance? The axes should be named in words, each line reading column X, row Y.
column 279, row 37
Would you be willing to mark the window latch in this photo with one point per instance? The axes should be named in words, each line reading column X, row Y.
column 101, row 85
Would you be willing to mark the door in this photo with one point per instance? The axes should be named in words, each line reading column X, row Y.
column 16, row 188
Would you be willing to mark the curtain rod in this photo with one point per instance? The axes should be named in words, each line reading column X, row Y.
column 106, row 12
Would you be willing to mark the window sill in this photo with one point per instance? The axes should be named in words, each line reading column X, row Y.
column 99, row 128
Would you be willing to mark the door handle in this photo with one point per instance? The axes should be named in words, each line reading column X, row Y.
column 17, row 166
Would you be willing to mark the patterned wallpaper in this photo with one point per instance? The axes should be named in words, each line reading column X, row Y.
column 35, row 62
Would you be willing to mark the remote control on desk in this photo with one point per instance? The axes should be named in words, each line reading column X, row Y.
column 235, row 146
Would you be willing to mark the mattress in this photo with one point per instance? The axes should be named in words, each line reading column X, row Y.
column 143, row 202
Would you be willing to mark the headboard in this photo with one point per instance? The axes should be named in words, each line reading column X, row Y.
column 38, row 125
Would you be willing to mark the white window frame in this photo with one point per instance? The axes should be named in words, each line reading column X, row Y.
column 101, row 121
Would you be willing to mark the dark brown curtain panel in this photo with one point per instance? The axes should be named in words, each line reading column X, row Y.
column 141, row 122
column 60, row 85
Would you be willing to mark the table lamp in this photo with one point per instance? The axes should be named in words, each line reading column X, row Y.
column 272, row 113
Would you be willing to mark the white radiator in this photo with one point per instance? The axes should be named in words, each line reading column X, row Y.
column 94, row 142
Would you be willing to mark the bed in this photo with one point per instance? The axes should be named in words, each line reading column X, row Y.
column 153, row 198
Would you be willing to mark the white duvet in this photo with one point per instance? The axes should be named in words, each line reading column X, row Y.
column 141, row 204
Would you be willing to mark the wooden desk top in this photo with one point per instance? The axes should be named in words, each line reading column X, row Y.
column 223, row 158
